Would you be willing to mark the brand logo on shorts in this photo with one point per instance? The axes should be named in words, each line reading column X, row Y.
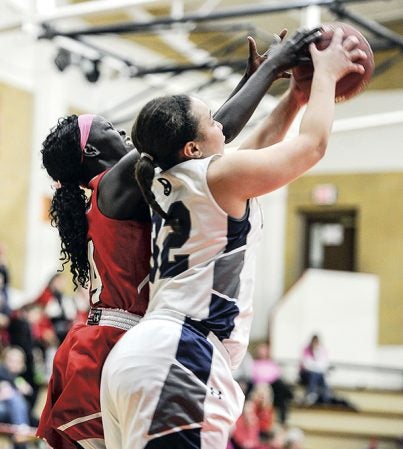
column 217, row 393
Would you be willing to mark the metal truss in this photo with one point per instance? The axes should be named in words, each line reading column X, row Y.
column 230, row 13
column 385, row 38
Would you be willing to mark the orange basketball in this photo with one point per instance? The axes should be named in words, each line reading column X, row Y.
column 352, row 83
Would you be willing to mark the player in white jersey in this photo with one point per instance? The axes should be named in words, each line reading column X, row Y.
column 167, row 383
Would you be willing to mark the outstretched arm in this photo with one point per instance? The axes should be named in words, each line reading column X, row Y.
column 238, row 176
column 255, row 60
column 236, row 111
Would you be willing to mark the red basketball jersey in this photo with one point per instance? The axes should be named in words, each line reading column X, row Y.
column 119, row 256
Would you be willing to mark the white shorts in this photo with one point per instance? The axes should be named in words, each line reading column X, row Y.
column 166, row 385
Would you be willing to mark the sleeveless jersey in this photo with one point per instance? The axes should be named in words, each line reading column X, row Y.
column 119, row 254
column 206, row 270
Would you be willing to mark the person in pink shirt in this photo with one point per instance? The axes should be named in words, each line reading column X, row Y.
column 266, row 370
column 313, row 369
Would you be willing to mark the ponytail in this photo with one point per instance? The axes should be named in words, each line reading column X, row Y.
column 144, row 173
column 161, row 130
column 144, row 176
column 61, row 157
column 67, row 214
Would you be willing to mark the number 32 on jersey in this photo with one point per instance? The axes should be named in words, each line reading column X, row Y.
column 162, row 259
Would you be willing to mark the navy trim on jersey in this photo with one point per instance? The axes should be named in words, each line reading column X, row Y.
column 237, row 231
column 181, row 402
column 185, row 439
column 226, row 285
column 222, row 316
column 195, row 352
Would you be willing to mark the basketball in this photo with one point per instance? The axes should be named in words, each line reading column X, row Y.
column 352, row 83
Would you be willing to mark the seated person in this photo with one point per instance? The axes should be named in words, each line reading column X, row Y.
column 313, row 369
column 13, row 388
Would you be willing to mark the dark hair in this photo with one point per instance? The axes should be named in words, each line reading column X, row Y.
column 162, row 128
column 61, row 157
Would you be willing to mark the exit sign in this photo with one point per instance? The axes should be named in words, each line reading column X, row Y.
column 324, row 194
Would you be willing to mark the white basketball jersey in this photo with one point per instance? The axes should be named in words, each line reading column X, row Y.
column 205, row 271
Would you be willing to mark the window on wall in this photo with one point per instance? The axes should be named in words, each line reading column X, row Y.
column 330, row 240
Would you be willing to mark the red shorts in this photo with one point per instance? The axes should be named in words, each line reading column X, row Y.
column 72, row 411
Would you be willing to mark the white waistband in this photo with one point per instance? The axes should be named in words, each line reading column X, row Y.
column 172, row 315
column 112, row 317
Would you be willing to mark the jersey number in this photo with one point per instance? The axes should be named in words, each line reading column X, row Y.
column 171, row 266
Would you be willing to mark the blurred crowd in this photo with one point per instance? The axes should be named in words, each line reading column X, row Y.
column 29, row 337
column 264, row 420
column 31, row 334
column 264, row 423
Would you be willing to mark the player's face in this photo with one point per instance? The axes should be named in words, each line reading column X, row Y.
column 111, row 142
column 211, row 138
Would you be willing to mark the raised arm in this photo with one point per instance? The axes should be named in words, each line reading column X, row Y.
column 236, row 177
column 255, row 60
column 235, row 112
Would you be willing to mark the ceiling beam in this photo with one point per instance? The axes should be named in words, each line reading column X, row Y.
column 72, row 11
column 244, row 11
column 237, row 64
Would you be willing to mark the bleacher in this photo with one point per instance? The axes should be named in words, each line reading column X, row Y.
column 343, row 308
column 379, row 419
column 20, row 434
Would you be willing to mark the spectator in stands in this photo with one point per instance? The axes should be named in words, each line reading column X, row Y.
column 276, row 438
column 294, row 438
column 313, row 369
column 261, row 396
column 14, row 408
column 244, row 374
column 44, row 337
column 4, row 264
column 24, row 331
column 246, row 434
column 5, row 310
column 266, row 370
column 60, row 308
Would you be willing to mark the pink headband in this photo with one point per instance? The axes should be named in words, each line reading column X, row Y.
column 85, row 123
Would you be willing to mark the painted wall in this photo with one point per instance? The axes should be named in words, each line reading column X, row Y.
column 378, row 200
column 15, row 161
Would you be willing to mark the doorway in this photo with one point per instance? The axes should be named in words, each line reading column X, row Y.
column 330, row 240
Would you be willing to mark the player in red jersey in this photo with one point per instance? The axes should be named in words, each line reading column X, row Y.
column 107, row 240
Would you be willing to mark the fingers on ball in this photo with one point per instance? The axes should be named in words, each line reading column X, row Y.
column 351, row 42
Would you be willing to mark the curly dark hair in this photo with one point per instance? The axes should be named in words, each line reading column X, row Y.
column 61, row 157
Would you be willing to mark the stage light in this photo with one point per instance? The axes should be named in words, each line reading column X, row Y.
column 62, row 59
column 90, row 68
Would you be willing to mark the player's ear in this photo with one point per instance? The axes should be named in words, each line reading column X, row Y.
column 91, row 151
column 191, row 150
